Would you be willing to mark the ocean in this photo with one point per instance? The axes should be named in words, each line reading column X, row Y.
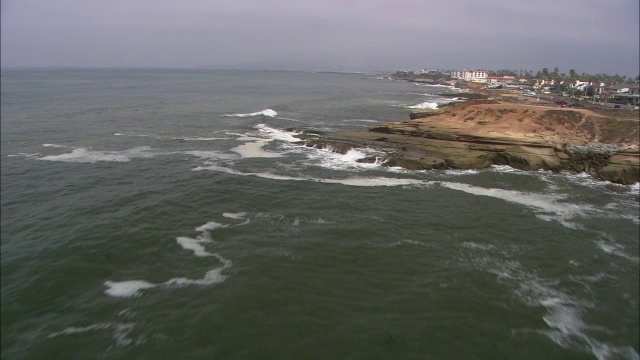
column 171, row 214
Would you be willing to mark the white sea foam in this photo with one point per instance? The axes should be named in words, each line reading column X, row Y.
column 255, row 150
column 211, row 225
column 246, row 138
column 211, row 277
column 138, row 135
column 565, row 317
column 475, row 246
column 377, row 181
column 28, row 156
column 211, row 155
column 265, row 112
column 83, row 155
column 354, row 181
column 127, row 289
column 79, row 330
column 133, row 288
column 424, row 105
column 331, row 159
column 362, row 120
column 454, row 172
column 197, row 138
column 614, row 248
column 53, row 145
column 120, row 334
column 236, row 216
column 564, row 314
column 195, row 245
column 546, row 207
column 277, row 134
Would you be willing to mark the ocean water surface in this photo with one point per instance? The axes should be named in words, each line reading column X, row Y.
column 164, row 214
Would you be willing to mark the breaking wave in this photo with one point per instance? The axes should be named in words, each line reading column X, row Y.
column 265, row 112
column 424, row 105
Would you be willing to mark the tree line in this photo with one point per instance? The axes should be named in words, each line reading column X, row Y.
column 561, row 76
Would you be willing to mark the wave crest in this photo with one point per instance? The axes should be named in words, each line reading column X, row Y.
column 265, row 112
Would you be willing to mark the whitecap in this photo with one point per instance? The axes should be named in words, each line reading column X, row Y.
column 265, row 112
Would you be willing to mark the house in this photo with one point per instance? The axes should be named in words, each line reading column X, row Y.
column 599, row 89
column 619, row 89
column 470, row 75
column 625, row 94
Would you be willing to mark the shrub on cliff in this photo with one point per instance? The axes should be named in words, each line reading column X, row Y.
column 591, row 157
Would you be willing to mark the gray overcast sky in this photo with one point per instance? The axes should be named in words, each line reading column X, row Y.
column 594, row 36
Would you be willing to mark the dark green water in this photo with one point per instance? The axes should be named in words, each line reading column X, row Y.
column 156, row 214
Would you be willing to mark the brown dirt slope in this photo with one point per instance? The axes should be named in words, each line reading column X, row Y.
column 522, row 124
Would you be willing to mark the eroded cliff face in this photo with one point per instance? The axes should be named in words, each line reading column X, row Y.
column 479, row 133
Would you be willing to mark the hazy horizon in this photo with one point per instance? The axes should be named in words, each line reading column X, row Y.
column 588, row 36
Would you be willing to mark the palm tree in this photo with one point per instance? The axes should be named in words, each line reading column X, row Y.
column 572, row 78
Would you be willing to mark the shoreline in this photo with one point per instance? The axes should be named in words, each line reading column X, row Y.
column 502, row 128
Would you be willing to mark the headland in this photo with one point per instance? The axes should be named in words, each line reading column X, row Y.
column 501, row 127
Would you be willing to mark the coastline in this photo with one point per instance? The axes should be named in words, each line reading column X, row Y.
column 502, row 128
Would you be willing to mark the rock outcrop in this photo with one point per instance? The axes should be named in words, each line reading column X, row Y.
column 479, row 133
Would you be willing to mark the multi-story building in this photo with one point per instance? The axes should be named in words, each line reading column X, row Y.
column 470, row 75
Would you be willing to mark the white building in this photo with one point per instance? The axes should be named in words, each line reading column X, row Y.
column 499, row 80
column 470, row 75
column 582, row 85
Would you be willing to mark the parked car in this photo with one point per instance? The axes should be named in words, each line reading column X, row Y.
column 561, row 103
column 577, row 105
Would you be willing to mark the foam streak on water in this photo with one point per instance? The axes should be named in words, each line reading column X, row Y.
column 134, row 288
column 564, row 313
column 83, row 155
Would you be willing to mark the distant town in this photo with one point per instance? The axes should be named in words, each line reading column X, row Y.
column 598, row 88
